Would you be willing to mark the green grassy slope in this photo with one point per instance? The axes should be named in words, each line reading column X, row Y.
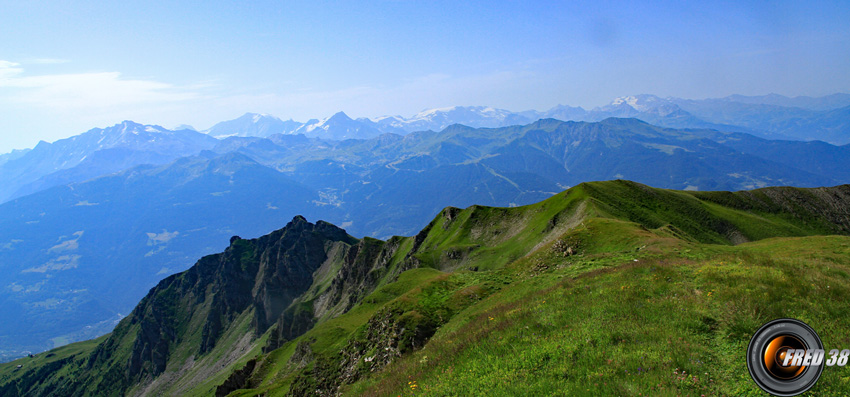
column 676, row 322
column 621, row 248
column 608, row 288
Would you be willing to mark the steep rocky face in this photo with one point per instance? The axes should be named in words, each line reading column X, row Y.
column 237, row 380
column 287, row 266
column 354, row 273
column 263, row 275
column 362, row 269
column 388, row 335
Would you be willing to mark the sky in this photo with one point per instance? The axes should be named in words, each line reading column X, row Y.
column 67, row 67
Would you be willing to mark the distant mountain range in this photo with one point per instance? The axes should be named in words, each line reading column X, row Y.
column 102, row 151
column 252, row 124
column 770, row 116
column 96, row 152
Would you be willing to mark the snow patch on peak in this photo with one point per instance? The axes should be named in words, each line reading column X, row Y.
column 437, row 119
column 428, row 113
column 127, row 126
column 256, row 117
column 628, row 100
column 640, row 103
column 382, row 118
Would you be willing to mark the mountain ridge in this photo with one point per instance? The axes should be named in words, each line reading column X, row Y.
column 219, row 311
column 769, row 116
column 141, row 144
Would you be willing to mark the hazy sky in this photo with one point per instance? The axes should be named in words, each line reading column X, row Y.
column 66, row 67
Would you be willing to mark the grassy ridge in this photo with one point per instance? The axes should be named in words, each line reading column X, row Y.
column 651, row 278
column 671, row 325
column 608, row 288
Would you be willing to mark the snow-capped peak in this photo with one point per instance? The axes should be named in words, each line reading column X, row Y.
column 252, row 124
column 338, row 119
column 429, row 113
column 259, row 116
column 640, row 103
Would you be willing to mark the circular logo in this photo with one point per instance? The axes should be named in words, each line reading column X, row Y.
column 772, row 361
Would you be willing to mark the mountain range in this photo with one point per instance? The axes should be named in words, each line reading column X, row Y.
column 96, row 152
column 158, row 198
column 674, row 282
column 101, row 151
column 60, row 246
column 769, row 116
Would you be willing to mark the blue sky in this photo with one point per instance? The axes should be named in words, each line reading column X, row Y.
column 69, row 67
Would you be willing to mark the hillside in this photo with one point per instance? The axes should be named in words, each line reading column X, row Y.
column 608, row 288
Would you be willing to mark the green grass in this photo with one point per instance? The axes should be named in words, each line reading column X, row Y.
column 655, row 327
column 62, row 361
column 487, row 238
